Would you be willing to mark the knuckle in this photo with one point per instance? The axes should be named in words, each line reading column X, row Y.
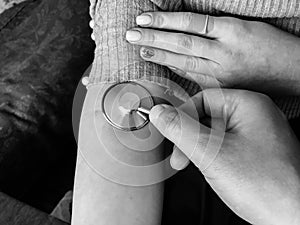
column 231, row 23
column 251, row 98
column 172, row 120
column 264, row 99
column 191, row 64
column 237, row 27
column 186, row 19
column 213, row 69
column 206, row 47
column 202, row 80
column 185, row 41
column 228, row 24
column 150, row 37
column 158, row 20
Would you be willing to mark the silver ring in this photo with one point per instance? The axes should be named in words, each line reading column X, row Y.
column 204, row 31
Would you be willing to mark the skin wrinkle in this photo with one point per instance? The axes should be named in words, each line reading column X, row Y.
column 191, row 64
column 159, row 20
column 186, row 21
column 201, row 78
column 172, row 121
column 185, row 42
column 230, row 106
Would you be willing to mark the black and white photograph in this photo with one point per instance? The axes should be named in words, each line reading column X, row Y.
column 149, row 112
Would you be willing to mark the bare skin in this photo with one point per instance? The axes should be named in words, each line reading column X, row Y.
column 100, row 200
column 252, row 161
column 232, row 53
column 242, row 171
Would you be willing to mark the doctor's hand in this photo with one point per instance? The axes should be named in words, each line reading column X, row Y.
column 221, row 51
column 245, row 149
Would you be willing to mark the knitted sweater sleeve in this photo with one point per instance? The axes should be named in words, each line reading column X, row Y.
column 115, row 59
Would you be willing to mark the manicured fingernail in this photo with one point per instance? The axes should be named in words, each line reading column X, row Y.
column 175, row 163
column 93, row 36
column 144, row 19
column 92, row 24
column 85, row 81
column 147, row 53
column 172, row 68
column 133, row 35
column 178, row 163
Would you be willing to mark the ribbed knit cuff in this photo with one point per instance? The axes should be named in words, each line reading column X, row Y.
column 116, row 60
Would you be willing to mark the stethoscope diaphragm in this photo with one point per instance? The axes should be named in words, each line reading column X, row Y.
column 125, row 106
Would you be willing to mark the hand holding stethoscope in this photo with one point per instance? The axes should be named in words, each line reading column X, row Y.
column 245, row 149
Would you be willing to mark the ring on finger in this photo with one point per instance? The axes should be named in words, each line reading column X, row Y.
column 204, row 31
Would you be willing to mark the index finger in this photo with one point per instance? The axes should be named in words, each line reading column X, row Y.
column 182, row 21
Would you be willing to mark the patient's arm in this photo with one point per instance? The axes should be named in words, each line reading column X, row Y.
column 98, row 200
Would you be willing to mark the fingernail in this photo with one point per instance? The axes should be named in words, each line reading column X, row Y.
column 174, row 69
column 178, row 163
column 133, row 35
column 147, row 53
column 92, row 24
column 175, row 163
column 85, row 81
column 93, row 36
column 156, row 111
column 144, row 19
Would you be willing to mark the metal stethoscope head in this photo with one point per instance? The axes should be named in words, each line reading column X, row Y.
column 126, row 106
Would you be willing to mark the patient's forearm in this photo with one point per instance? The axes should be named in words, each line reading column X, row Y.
column 99, row 200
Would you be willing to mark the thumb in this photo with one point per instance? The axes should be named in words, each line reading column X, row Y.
column 178, row 159
column 186, row 133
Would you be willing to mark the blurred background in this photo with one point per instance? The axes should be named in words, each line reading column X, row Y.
column 45, row 47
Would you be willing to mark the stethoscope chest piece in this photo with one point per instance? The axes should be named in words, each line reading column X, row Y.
column 120, row 106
